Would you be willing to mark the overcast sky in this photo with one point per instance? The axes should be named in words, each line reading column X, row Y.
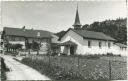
column 57, row 16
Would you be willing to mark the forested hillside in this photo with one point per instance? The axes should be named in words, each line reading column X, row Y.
column 114, row 28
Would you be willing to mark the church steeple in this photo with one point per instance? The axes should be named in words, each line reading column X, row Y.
column 77, row 24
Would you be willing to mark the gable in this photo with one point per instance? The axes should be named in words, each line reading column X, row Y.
column 71, row 35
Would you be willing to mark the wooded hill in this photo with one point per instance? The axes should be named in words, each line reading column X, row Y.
column 114, row 28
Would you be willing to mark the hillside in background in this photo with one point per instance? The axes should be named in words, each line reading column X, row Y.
column 114, row 28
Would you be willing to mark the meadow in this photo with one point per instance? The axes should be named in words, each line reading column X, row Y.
column 79, row 68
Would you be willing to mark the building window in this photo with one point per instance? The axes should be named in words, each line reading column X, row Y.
column 38, row 34
column 100, row 44
column 12, row 38
column 20, row 39
column 109, row 45
column 120, row 48
column 89, row 44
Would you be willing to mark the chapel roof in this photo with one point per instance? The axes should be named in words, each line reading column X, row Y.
column 91, row 35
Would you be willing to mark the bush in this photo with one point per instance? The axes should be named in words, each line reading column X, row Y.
column 63, row 54
column 78, row 67
column 4, row 69
column 111, row 54
column 3, row 65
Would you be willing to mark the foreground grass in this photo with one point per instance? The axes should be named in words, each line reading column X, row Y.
column 58, row 72
column 54, row 72
column 72, row 68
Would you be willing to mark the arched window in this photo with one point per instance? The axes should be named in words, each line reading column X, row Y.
column 100, row 44
column 109, row 45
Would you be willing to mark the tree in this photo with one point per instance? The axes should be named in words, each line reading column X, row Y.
column 61, row 33
column 85, row 27
column 35, row 46
column 18, row 46
column 114, row 28
column 8, row 46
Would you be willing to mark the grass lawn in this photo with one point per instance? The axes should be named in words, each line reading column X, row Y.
column 77, row 68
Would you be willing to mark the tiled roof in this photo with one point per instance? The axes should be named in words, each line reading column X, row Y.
column 91, row 35
column 27, row 32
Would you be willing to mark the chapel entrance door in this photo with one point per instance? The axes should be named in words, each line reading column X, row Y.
column 72, row 50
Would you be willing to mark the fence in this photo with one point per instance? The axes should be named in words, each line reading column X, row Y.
column 88, row 68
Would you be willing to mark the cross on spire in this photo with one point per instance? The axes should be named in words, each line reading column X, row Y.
column 77, row 24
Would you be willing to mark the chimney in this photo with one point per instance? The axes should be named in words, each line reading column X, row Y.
column 38, row 34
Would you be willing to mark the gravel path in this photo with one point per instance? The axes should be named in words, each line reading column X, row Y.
column 127, row 67
column 19, row 71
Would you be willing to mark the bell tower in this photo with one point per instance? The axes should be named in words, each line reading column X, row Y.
column 77, row 24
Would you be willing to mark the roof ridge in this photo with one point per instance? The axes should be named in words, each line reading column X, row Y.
column 11, row 27
column 89, row 31
column 27, row 29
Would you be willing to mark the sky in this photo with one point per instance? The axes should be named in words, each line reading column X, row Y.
column 55, row 16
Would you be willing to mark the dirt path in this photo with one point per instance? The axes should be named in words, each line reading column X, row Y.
column 19, row 71
column 127, row 67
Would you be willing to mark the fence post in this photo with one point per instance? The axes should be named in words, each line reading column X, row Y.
column 78, row 63
column 110, row 70
column 49, row 60
column 78, row 67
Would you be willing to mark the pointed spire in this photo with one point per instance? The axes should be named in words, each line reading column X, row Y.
column 77, row 23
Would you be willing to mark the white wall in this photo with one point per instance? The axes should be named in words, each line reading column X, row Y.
column 83, row 48
column 71, row 35
column 95, row 49
column 123, row 52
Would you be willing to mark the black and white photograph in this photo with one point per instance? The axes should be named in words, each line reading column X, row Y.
column 63, row 40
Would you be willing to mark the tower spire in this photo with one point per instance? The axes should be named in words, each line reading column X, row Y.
column 77, row 24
